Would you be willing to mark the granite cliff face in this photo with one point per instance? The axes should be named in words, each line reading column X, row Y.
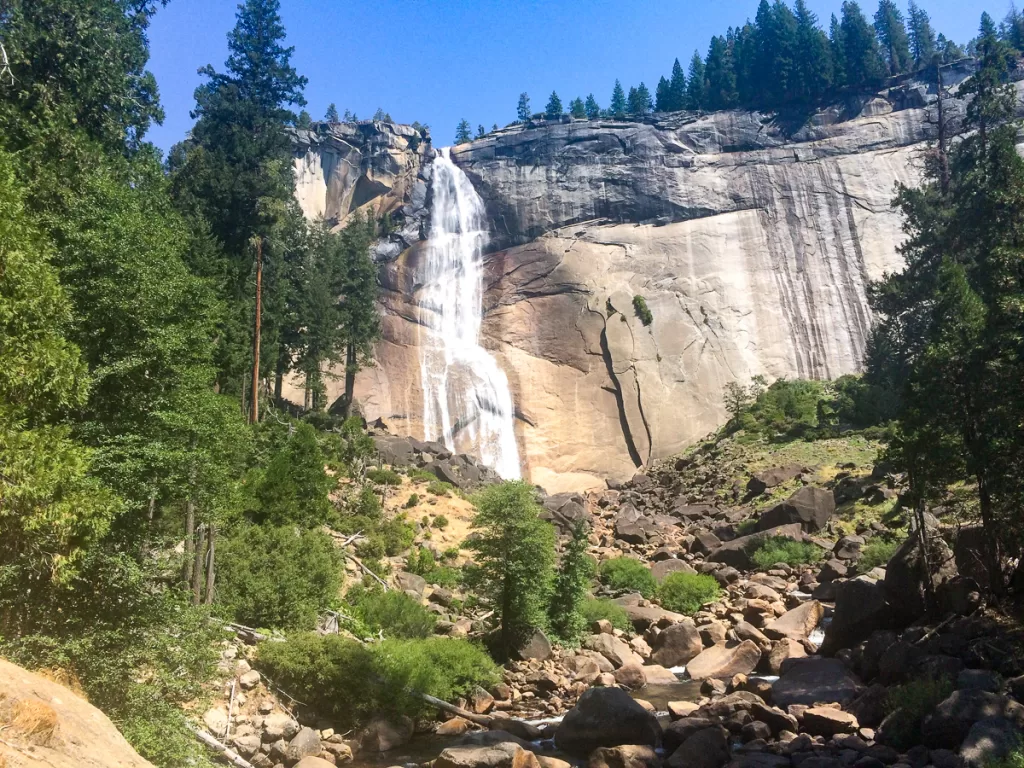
column 751, row 241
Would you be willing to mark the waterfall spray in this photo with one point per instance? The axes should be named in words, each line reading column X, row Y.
column 466, row 399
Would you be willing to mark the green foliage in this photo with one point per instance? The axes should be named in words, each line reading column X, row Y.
column 412, row 501
column 578, row 109
column 439, row 488
column 383, row 477
column 553, row 110
column 572, row 585
column 423, row 563
column 277, row 576
column 356, row 446
column 907, row 706
column 378, row 679
column 394, row 613
column 642, row 311
column 294, row 488
column 1015, row 759
column 592, row 108
column 463, row 132
column 686, row 592
column 877, row 553
column 418, row 475
column 618, row 106
column 628, row 574
column 767, row 551
column 514, row 561
column 523, row 108
column 596, row 609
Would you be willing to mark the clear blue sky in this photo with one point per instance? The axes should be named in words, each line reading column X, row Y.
column 437, row 61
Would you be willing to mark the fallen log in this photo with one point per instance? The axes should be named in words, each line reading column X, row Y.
column 229, row 754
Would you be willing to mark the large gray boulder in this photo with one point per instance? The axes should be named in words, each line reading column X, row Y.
column 811, row 507
column 736, row 553
column 606, row 717
column 708, row 748
column 813, row 680
column 906, row 580
column 861, row 610
column 502, row 755
column 989, row 741
column 952, row 720
column 677, row 644
column 722, row 662
column 796, row 623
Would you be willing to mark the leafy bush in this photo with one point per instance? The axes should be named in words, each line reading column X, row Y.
column 421, row 475
column 686, row 592
column 908, row 704
column 378, row 678
column 1015, row 759
column 277, row 576
column 440, row 522
column 412, row 501
column 642, row 310
column 294, row 488
column 768, row 551
column 423, row 563
column 746, row 527
column 877, row 553
column 627, row 573
column 394, row 613
column 438, row 488
column 603, row 608
column 383, row 477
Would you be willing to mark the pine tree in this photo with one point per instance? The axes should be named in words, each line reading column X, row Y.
column 922, row 36
column 837, row 46
column 1013, row 28
column 892, row 35
column 592, row 107
column 618, row 106
column 720, row 73
column 677, row 88
column 463, row 132
column 332, row 114
column 480, row 132
column 304, row 120
column 696, row 90
column 861, row 58
column 572, row 583
column 662, row 96
column 553, row 110
column 523, row 108
column 745, row 58
column 578, row 109
column 644, row 102
column 814, row 62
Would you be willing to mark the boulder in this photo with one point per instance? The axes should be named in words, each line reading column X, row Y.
column 781, row 651
column 735, row 553
column 661, row 569
column 848, row 547
column 722, row 662
column 411, row 582
column 384, row 734
column 708, row 748
column 309, row 762
column 797, row 623
column 536, row 647
column 519, row 728
column 677, row 644
column 625, row 756
column 810, row 506
column 606, row 717
column 631, row 677
column 643, row 615
column 613, row 649
column 279, row 726
column 861, row 609
column 630, row 532
column 812, row 680
column 905, row 579
column 658, row 675
column 949, row 724
column 393, row 450
column 774, row 717
column 832, row 570
column 989, row 741
column 826, row 721
column 504, row 755
column 705, row 542
column 305, row 743
column 772, row 478
column 676, row 733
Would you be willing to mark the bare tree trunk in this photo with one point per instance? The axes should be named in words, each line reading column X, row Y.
column 197, row 567
column 254, row 416
column 190, row 533
column 350, row 380
column 210, row 557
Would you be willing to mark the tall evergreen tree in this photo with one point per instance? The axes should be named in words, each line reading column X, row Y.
column 837, row 45
column 862, row 61
column 577, row 108
column 662, row 96
column 644, row 102
column 463, row 132
column 696, row 90
column 892, row 34
column 523, row 108
column 814, row 61
column 720, row 73
column 745, row 50
column 1012, row 30
column 618, row 105
column 553, row 110
column 332, row 114
column 921, row 34
column 592, row 107
column 676, row 88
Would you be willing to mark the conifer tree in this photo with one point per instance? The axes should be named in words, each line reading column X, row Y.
column 577, row 108
column 677, row 88
column 332, row 114
column 696, row 89
column 861, row 58
column 618, row 106
column 592, row 108
column 921, row 34
column 837, row 46
column 662, row 95
column 553, row 110
column 463, row 132
column 1013, row 28
column 304, row 120
column 644, row 102
column 892, row 35
column 745, row 58
column 572, row 582
column 523, row 108
column 814, row 62
column 720, row 73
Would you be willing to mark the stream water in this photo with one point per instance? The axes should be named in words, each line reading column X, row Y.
column 467, row 403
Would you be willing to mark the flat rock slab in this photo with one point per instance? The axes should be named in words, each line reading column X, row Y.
column 813, row 680
column 722, row 662
column 798, row 623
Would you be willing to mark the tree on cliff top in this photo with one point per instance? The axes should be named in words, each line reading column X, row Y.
column 553, row 110
column 618, row 105
column 332, row 114
column 463, row 132
column 892, row 34
column 523, row 108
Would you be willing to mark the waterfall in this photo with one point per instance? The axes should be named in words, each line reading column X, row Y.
column 466, row 400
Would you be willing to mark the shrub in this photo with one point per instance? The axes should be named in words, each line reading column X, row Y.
column 440, row 522
column 768, row 551
column 627, row 573
column 394, row 613
column 413, row 501
column 572, row 583
column 294, row 487
column 746, row 527
column 603, row 608
column 378, row 678
column 642, row 310
column 877, row 553
column 277, row 576
column 437, row 488
column 686, row 592
column 421, row 475
column 1015, row 759
column 423, row 563
column 908, row 705
column 383, row 477
column 397, row 535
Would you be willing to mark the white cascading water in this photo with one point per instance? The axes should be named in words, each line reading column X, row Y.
column 466, row 400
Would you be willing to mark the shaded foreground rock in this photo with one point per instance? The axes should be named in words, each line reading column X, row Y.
column 606, row 717
column 812, row 680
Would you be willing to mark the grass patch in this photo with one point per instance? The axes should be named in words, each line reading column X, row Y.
column 746, row 527
column 596, row 609
column 908, row 705
column 686, row 592
column 412, row 501
column 768, row 551
column 628, row 574
column 421, row 475
column 440, row 522
column 877, row 553
column 423, row 563
column 439, row 488
column 384, row 477
column 31, row 720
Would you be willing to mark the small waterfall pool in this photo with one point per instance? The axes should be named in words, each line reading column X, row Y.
column 467, row 403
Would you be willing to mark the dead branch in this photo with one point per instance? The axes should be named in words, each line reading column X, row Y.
column 359, row 562
column 229, row 754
